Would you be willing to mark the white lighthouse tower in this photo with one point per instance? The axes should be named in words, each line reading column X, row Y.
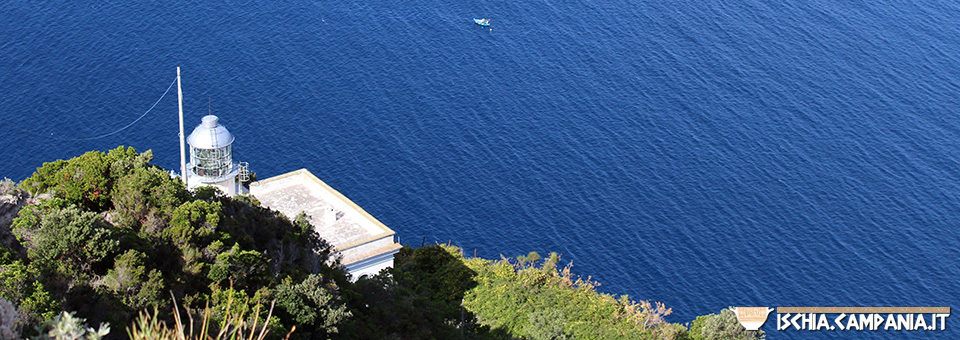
column 211, row 156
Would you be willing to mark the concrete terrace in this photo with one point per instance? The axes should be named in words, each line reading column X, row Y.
column 365, row 244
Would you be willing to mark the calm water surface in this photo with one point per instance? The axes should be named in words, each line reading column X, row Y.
column 700, row 153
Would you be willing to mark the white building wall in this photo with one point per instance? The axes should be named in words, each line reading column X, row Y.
column 370, row 266
column 228, row 186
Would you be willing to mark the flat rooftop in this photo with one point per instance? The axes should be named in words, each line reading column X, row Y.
column 352, row 231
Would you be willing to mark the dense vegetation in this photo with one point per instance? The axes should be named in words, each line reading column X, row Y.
column 119, row 241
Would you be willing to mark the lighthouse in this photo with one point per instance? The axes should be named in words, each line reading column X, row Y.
column 211, row 158
column 211, row 155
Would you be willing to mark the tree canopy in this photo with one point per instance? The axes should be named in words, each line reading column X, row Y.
column 119, row 237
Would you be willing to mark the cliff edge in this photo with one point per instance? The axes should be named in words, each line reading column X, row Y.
column 12, row 200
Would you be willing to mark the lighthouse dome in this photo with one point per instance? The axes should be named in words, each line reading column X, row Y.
column 210, row 134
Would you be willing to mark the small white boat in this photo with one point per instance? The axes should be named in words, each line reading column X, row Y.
column 482, row 22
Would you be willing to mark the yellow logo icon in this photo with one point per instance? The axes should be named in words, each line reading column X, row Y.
column 752, row 317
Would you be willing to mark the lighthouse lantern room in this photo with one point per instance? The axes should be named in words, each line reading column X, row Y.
column 211, row 157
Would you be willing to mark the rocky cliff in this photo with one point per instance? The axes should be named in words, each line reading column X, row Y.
column 11, row 201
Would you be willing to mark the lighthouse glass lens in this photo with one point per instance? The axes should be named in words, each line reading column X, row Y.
column 211, row 162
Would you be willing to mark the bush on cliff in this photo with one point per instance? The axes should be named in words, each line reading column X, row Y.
column 120, row 234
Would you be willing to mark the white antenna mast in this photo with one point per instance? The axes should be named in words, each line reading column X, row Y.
column 183, row 154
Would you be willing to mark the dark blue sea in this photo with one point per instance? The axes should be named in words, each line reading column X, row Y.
column 700, row 153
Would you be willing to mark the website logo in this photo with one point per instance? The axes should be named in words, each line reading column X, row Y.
column 752, row 318
column 846, row 318
column 863, row 318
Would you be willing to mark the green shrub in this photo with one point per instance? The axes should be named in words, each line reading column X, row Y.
column 67, row 326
